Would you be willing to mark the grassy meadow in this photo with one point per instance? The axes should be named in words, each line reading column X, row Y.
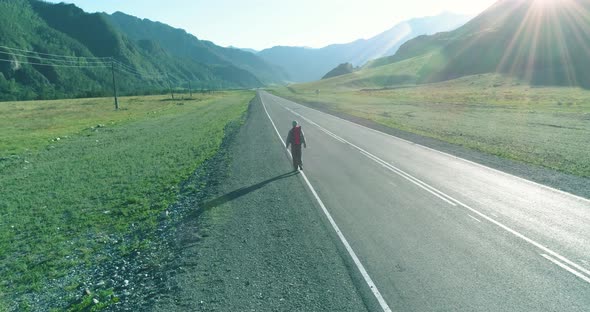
column 110, row 176
column 546, row 126
column 30, row 125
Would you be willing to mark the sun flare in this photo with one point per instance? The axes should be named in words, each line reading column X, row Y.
column 545, row 3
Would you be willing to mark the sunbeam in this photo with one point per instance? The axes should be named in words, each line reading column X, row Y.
column 549, row 39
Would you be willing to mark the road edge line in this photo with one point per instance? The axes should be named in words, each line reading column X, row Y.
column 343, row 239
column 483, row 215
column 567, row 268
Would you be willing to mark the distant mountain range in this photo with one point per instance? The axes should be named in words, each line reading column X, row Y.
column 541, row 42
column 537, row 42
column 307, row 64
column 180, row 44
column 149, row 55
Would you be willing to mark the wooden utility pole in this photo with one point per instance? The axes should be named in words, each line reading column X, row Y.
column 170, row 86
column 190, row 90
column 114, row 84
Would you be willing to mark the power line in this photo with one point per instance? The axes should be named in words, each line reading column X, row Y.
column 55, row 55
column 55, row 65
column 128, row 69
column 131, row 69
column 143, row 74
column 91, row 65
column 56, row 60
column 139, row 75
column 123, row 65
column 52, row 59
column 77, row 62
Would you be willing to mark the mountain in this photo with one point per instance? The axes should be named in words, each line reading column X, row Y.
column 540, row 41
column 245, row 49
column 179, row 43
column 306, row 64
column 342, row 69
column 79, row 46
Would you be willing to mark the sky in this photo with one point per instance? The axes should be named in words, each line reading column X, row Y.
column 260, row 24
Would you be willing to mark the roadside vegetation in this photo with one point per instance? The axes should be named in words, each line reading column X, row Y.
column 546, row 126
column 78, row 178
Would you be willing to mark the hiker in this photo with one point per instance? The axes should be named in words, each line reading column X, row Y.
column 295, row 139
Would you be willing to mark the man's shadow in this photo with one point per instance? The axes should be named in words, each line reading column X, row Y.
column 188, row 238
column 241, row 192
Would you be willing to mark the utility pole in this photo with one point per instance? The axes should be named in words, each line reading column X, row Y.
column 190, row 90
column 170, row 86
column 114, row 84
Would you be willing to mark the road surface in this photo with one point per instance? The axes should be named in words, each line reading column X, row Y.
column 438, row 233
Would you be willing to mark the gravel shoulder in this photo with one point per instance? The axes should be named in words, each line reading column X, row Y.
column 260, row 242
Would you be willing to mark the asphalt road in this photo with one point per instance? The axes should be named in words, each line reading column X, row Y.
column 258, row 242
column 439, row 233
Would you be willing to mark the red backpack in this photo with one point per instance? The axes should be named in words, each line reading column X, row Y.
column 297, row 135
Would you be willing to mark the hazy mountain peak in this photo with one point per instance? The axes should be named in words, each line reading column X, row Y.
column 307, row 64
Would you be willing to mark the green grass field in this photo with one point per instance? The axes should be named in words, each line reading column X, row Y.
column 29, row 125
column 546, row 126
column 64, row 200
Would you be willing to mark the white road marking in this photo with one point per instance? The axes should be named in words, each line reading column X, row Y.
column 414, row 181
column 571, row 264
column 526, row 239
column 383, row 163
column 474, row 218
column 447, row 154
column 567, row 268
column 351, row 252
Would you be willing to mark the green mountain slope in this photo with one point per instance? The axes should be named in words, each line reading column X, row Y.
column 179, row 43
column 21, row 27
column 64, row 29
column 400, row 73
column 542, row 42
column 342, row 69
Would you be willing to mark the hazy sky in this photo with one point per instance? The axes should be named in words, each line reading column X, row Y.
column 260, row 24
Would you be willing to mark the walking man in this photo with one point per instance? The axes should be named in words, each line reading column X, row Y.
column 295, row 139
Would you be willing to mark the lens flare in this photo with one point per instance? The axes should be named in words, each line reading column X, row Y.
column 547, row 3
